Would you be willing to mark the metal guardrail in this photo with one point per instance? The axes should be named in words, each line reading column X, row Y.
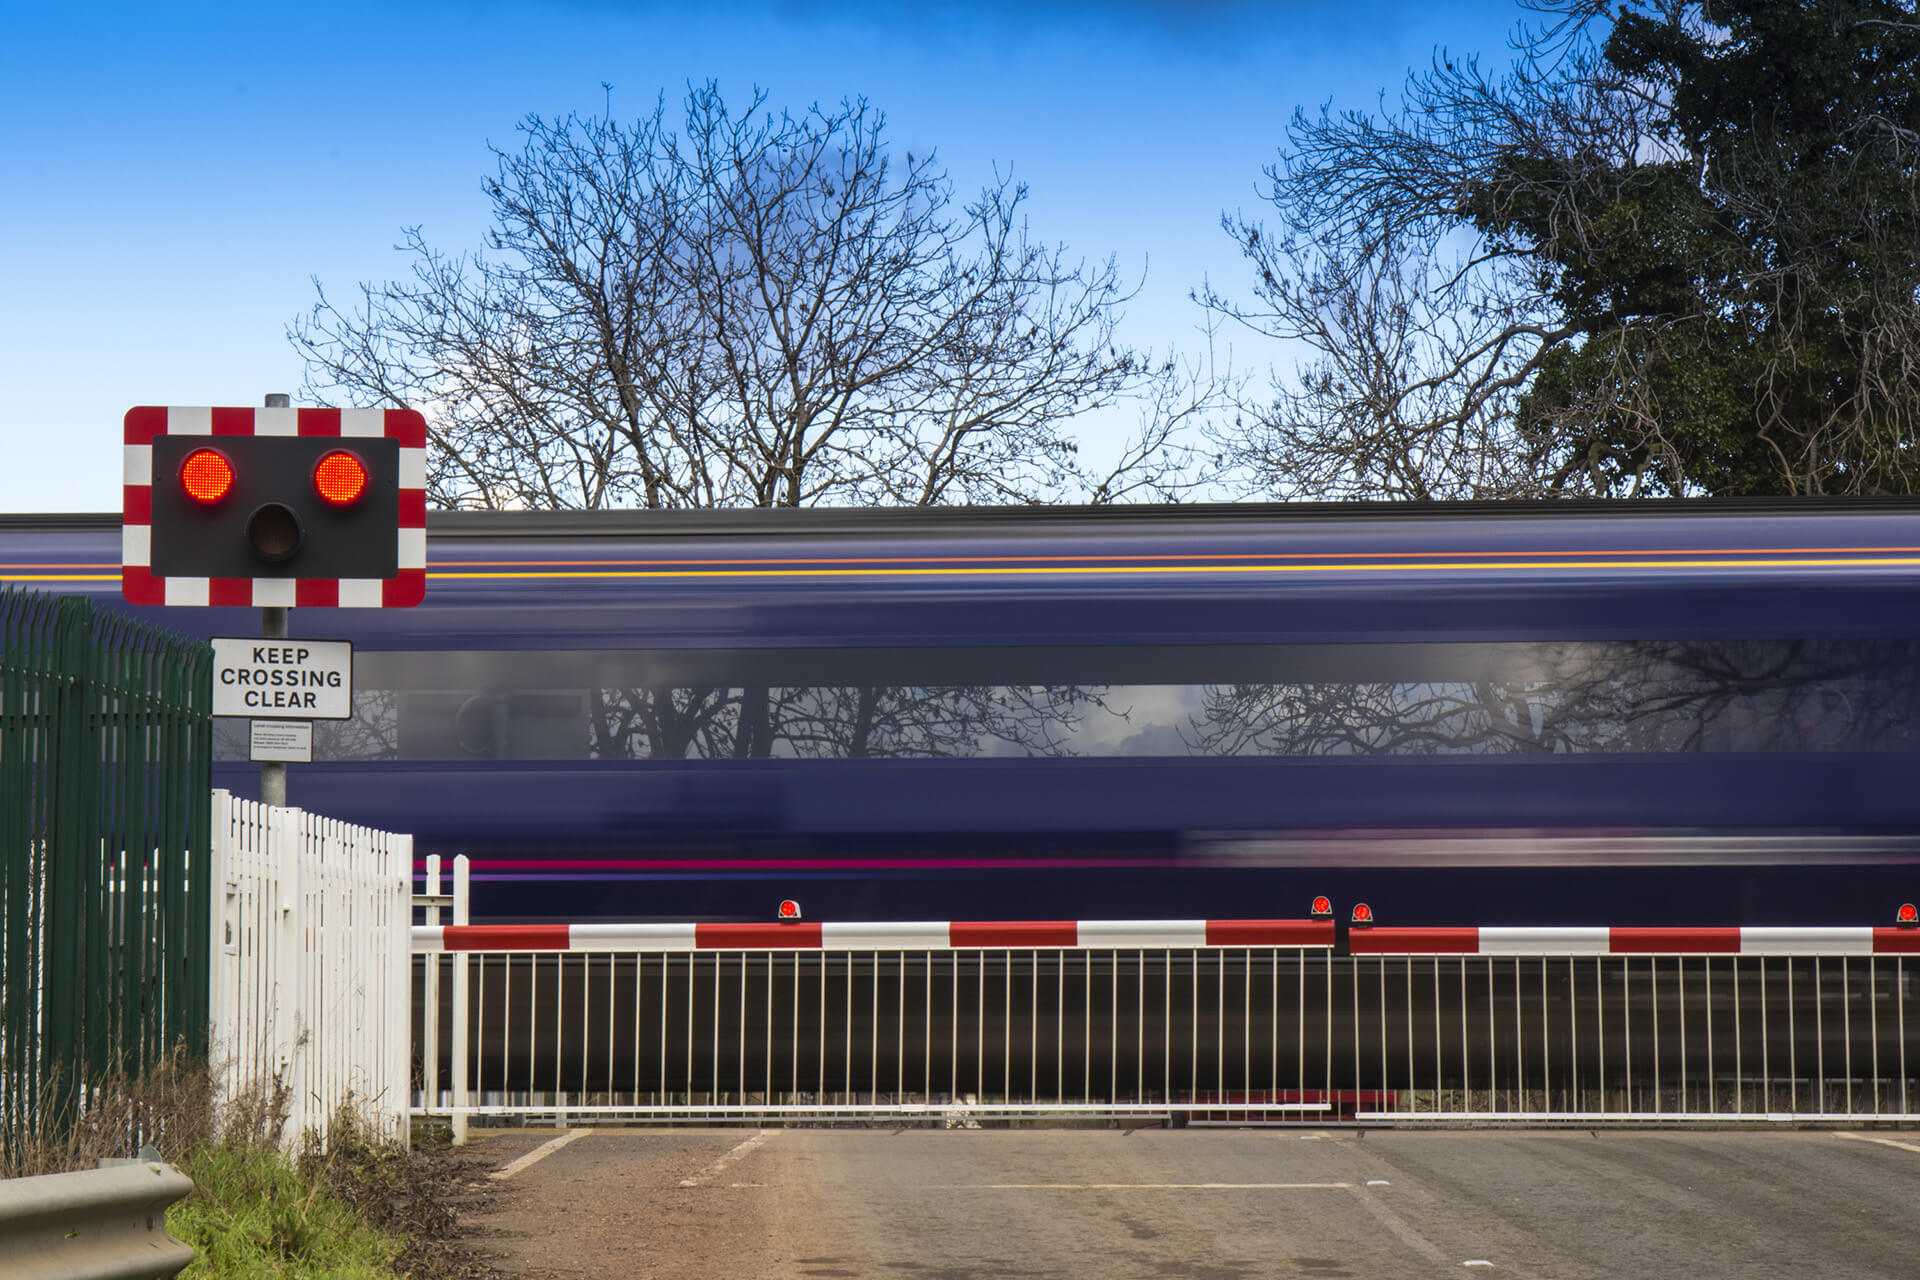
column 100, row 1224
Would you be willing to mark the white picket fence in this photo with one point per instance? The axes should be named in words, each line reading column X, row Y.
column 311, row 976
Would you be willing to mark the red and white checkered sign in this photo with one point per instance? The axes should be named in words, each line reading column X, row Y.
column 144, row 424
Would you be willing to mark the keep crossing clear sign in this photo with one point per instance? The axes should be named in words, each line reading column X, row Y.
column 283, row 679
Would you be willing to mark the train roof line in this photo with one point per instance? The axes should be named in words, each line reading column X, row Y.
column 830, row 521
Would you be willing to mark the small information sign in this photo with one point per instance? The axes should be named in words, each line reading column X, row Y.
column 283, row 679
column 282, row 741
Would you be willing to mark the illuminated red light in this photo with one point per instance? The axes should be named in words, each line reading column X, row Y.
column 340, row 478
column 789, row 909
column 206, row 476
column 1907, row 916
column 1362, row 915
column 1322, row 906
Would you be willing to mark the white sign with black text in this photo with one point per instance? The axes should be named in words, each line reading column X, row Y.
column 283, row 679
column 281, row 742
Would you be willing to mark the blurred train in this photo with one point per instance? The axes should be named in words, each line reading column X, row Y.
column 1553, row 714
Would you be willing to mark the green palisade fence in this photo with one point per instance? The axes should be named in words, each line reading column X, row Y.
column 105, row 916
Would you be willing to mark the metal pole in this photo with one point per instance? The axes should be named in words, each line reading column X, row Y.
column 273, row 626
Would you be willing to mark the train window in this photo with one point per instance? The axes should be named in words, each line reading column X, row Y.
column 1266, row 700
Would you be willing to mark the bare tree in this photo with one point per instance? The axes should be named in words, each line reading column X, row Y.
column 755, row 309
column 1674, row 247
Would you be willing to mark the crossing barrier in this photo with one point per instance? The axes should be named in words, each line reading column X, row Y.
column 1195, row 1021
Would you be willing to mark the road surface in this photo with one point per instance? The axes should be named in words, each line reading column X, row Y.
column 1209, row 1204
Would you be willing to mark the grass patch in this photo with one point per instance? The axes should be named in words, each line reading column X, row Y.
column 253, row 1213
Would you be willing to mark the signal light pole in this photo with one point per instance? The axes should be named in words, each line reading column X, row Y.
column 273, row 626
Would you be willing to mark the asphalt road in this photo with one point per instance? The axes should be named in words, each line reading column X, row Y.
column 1210, row 1204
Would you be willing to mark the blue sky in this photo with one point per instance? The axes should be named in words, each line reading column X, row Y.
column 172, row 177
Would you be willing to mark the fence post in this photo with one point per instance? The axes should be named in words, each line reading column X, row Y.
column 291, row 971
column 430, row 1000
column 461, row 915
column 221, row 977
column 398, row 882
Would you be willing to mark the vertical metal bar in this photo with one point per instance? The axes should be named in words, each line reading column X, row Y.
column 1766, row 1047
column 1354, row 968
column 1381, row 1015
column 1466, row 1067
column 1819, row 1038
column 979, row 1030
column 665, row 988
column 1653, row 1006
column 1220, row 1026
column 1900, row 1009
column 1873, row 1016
column 1680, row 989
column 1846, row 1024
column 1739, row 1047
column 1600, row 1031
column 1328, row 1077
column 1300, row 1027
column 1626, row 1016
column 1412, row 1082
column 1273, row 1031
column 900, row 1035
column 1033, row 1034
column 1519, row 1042
column 873, row 1039
column 1573, row 1066
column 1793, row 1045
column 1493, row 1051
column 1713, row 1077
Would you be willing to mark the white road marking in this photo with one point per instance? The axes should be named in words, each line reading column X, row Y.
column 1476, row 1262
column 1156, row 1186
column 1378, row 1182
column 538, row 1154
column 734, row 1156
column 1402, row 1230
column 1885, row 1142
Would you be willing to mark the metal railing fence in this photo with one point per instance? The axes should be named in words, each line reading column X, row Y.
column 310, row 978
column 1237, row 1032
column 105, row 769
column 1188, row 1021
column 1809, row 1038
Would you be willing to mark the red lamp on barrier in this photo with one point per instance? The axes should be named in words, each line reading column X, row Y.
column 789, row 909
column 1908, row 916
column 1322, row 906
column 1362, row 915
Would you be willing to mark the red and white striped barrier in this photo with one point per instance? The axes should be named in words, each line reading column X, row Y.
column 935, row 935
column 1634, row 941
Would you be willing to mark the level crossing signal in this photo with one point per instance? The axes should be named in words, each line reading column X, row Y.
column 275, row 507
